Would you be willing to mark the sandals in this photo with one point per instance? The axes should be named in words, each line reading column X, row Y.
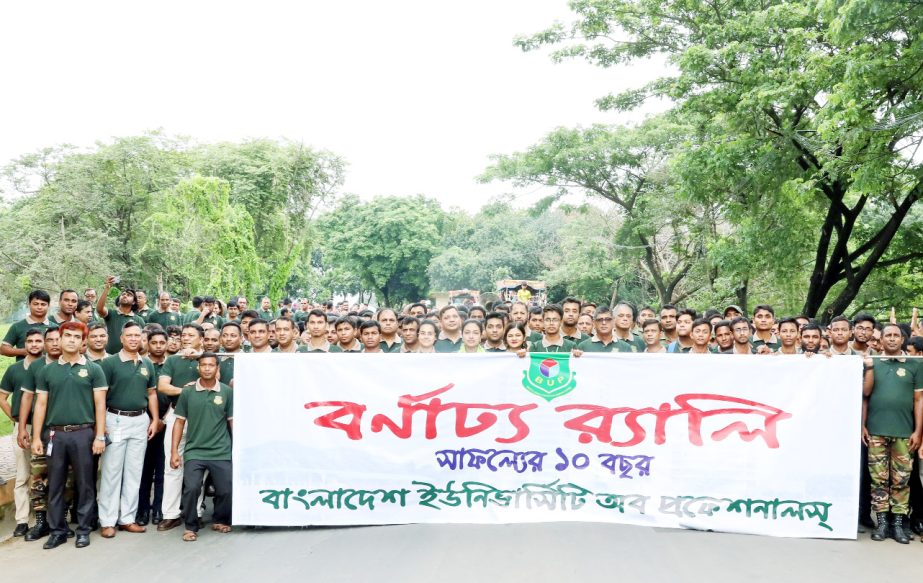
column 190, row 536
column 222, row 528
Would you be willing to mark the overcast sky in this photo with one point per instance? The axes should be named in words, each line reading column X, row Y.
column 414, row 94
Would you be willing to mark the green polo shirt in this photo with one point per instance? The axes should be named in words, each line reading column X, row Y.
column 216, row 321
column 330, row 348
column 594, row 344
column 191, row 316
column 55, row 323
column 576, row 339
column 163, row 402
column 636, row 341
column 539, row 346
column 533, row 337
column 356, row 347
column 446, row 345
column 395, row 346
column 226, row 369
column 165, row 319
column 145, row 313
column 265, row 315
column 129, row 382
column 890, row 409
column 115, row 321
column 16, row 335
column 16, row 379
column 208, row 436
column 179, row 372
column 70, row 389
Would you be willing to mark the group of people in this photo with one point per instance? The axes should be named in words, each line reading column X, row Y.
column 123, row 413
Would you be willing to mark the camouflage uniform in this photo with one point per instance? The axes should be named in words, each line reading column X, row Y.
column 890, row 463
column 38, row 488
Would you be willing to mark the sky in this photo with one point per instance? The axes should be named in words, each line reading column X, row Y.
column 414, row 95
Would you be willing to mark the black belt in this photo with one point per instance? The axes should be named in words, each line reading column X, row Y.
column 125, row 413
column 69, row 428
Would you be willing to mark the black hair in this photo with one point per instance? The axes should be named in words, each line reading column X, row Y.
column 765, row 308
column 197, row 302
column 40, row 295
column 790, row 321
column 351, row 320
column 863, row 317
column 196, row 327
column 68, row 291
column 369, row 324
column 130, row 324
column 174, row 330
column 208, row 355
column 553, row 308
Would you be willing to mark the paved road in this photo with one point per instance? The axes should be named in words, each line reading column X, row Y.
column 436, row 554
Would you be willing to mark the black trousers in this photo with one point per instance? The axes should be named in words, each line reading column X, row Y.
column 193, row 474
column 74, row 449
column 152, row 474
column 865, row 485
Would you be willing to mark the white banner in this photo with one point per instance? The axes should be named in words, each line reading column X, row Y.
column 755, row 444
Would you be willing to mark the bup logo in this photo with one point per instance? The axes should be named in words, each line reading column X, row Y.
column 549, row 375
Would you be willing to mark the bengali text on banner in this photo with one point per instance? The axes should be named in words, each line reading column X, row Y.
column 753, row 444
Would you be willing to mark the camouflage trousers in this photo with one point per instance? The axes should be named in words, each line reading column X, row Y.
column 38, row 490
column 890, row 463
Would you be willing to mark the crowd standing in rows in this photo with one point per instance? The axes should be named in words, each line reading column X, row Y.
column 122, row 410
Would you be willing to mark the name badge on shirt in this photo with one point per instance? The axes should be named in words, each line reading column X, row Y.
column 218, row 400
column 901, row 372
column 83, row 373
column 144, row 372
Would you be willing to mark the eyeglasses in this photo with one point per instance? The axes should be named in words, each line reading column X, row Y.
column 604, row 320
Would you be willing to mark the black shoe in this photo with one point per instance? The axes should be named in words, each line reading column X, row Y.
column 898, row 529
column 41, row 528
column 157, row 517
column 143, row 518
column 83, row 540
column 21, row 529
column 882, row 531
column 54, row 541
column 70, row 532
column 916, row 525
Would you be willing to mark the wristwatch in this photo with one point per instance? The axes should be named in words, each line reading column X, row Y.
column 101, row 438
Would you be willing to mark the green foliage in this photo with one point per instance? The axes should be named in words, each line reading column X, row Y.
column 143, row 207
column 498, row 242
column 387, row 242
column 806, row 119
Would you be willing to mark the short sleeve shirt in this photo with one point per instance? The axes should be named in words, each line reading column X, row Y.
column 16, row 335
column 129, row 382
column 540, row 346
column 16, row 379
column 165, row 319
column 206, row 412
column 115, row 321
column 70, row 389
column 180, row 372
column 447, row 345
column 890, row 407
column 594, row 344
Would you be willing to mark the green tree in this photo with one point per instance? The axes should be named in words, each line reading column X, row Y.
column 199, row 241
column 822, row 97
column 627, row 167
column 499, row 242
column 387, row 242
